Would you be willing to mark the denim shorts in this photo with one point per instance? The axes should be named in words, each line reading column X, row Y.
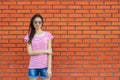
column 35, row 73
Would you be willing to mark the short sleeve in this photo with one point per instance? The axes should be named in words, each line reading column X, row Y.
column 26, row 38
column 50, row 36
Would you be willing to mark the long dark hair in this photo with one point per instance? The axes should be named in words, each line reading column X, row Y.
column 32, row 28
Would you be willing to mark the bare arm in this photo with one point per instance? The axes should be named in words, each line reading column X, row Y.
column 49, row 55
column 37, row 52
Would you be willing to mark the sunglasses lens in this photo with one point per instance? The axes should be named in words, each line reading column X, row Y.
column 39, row 22
column 35, row 22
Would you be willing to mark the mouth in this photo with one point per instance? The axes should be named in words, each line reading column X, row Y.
column 37, row 26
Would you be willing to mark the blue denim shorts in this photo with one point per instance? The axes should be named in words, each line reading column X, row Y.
column 35, row 73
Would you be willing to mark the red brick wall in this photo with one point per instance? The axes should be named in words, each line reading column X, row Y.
column 86, row 38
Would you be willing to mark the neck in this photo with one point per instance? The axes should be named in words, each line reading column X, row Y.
column 38, row 31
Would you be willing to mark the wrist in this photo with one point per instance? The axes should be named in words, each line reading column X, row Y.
column 49, row 68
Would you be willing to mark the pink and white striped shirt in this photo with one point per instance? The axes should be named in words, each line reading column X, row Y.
column 39, row 42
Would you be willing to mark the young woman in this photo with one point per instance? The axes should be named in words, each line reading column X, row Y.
column 40, row 50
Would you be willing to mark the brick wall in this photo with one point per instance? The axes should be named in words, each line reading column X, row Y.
column 86, row 38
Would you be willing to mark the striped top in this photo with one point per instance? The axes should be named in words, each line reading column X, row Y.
column 39, row 42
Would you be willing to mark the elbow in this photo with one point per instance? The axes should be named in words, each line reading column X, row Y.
column 30, row 53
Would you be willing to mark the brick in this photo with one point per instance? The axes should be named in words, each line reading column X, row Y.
column 74, row 32
column 8, row 19
column 104, row 15
column 96, row 36
column 52, row 3
column 24, row 3
column 81, row 19
column 82, row 28
column 4, row 15
column 67, row 11
column 16, row 15
column 10, row 78
column 60, row 15
column 38, row 2
column 115, row 23
column 67, row 19
column 104, row 32
column 23, row 11
column 115, row 7
column 110, row 2
column 82, row 36
column 74, row 49
column 96, row 3
column 44, row 7
column 111, row 11
column 8, row 11
column 59, row 7
column 96, row 19
column 52, row 11
column 74, row 57
column 89, row 32
column 81, row 11
column 112, row 78
column 103, row 7
column 3, row 7
column 15, row 7
column 82, row 78
column 97, row 78
column 67, row 45
column 89, row 23
column 89, row 40
column 104, row 23
column 104, row 49
column 97, row 45
column 67, row 3
column 89, row 15
column 30, row 7
column 9, row 3
column 111, row 19
column 115, row 15
column 111, row 45
column 74, row 7
column 67, row 78
column 106, row 74
column 88, row 7
column 112, row 28
column 111, row 36
column 82, row 45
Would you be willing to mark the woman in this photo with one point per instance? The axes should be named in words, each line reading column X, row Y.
column 40, row 50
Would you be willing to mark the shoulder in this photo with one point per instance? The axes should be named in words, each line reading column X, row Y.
column 26, row 35
column 47, row 33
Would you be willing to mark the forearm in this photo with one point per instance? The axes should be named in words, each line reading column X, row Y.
column 37, row 52
column 49, row 61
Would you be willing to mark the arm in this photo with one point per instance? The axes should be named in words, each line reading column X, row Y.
column 49, row 55
column 37, row 52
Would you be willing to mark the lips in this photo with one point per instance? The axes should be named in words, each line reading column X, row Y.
column 37, row 26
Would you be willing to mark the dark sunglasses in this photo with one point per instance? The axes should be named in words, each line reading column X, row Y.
column 35, row 22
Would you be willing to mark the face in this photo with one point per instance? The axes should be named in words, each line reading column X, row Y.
column 37, row 22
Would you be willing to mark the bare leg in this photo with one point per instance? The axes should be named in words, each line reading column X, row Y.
column 33, row 78
column 46, row 79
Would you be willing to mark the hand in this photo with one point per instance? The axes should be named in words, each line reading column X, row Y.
column 49, row 73
column 49, row 51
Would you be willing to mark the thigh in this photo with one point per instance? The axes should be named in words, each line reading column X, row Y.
column 46, row 79
column 33, row 74
column 33, row 78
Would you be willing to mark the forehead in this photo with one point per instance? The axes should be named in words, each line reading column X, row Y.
column 37, row 19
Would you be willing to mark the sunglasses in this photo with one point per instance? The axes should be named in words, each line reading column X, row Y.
column 35, row 22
